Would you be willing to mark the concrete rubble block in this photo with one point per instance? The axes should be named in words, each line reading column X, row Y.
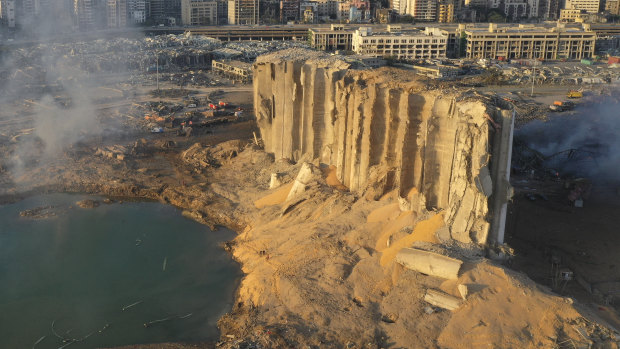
column 442, row 300
column 462, row 291
column 443, row 234
column 306, row 175
column 429, row 263
column 276, row 181
column 484, row 182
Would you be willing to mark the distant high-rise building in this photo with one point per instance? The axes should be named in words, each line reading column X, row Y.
column 8, row 13
column 549, row 9
column 289, row 10
column 243, row 12
column 89, row 14
column 590, row 6
column 446, row 11
column 199, row 12
column 222, row 11
column 117, row 13
column 83, row 12
column 423, row 10
column 137, row 11
column 161, row 10
column 156, row 9
column 172, row 8
column 399, row 7
column 612, row 6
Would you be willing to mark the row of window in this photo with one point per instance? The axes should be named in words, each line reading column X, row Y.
column 404, row 41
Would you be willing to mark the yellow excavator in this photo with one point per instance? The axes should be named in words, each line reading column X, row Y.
column 574, row 94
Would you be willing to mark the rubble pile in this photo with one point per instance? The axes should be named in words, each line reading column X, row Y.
column 200, row 157
column 569, row 74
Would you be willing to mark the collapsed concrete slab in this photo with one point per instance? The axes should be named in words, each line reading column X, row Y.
column 429, row 263
column 385, row 129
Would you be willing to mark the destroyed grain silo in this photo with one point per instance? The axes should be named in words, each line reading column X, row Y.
column 384, row 130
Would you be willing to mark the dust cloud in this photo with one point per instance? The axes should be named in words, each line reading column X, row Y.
column 41, row 75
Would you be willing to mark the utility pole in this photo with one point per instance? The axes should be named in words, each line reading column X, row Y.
column 157, row 74
column 533, row 77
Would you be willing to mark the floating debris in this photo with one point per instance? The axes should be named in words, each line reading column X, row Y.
column 104, row 328
column 138, row 242
column 131, row 305
column 163, row 267
column 71, row 341
column 64, row 340
column 147, row 324
column 186, row 316
column 39, row 341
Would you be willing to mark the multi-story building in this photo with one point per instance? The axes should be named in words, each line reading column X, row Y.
column 137, row 11
column 383, row 15
column 289, row 10
column 344, row 9
column 335, row 38
column 446, row 11
column 156, row 9
column 549, row 9
column 222, row 11
column 571, row 15
column 309, row 12
column 84, row 14
column 399, row 7
column 199, row 12
column 612, row 6
column 527, row 41
column 423, row 10
column 8, row 13
column 243, row 12
column 402, row 45
column 117, row 13
column 590, row 6
column 172, row 9
column 515, row 8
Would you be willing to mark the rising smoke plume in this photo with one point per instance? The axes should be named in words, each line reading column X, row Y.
column 581, row 144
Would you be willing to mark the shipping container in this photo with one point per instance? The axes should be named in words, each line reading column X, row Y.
column 586, row 61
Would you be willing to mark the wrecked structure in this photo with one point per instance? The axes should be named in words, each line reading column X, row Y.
column 441, row 151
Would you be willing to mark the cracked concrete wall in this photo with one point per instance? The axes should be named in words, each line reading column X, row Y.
column 382, row 128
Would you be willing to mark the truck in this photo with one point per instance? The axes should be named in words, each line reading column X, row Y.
column 574, row 94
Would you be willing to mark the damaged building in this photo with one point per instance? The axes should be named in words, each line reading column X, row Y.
column 441, row 151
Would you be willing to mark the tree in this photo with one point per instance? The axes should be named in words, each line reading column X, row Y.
column 496, row 17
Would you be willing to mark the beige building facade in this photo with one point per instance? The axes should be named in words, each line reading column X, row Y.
column 243, row 12
column 402, row 45
column 530, row 42
column 199, row 12
column 336, row 37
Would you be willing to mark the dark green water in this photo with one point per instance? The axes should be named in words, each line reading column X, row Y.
column 80, row 268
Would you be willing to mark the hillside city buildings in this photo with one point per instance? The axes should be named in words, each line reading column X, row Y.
column 97, row 14
column 565, row 38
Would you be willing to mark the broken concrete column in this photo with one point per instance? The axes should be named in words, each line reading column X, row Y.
column 429, row 263
column 307, row 174
column 275, row 181
column 442, row 300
